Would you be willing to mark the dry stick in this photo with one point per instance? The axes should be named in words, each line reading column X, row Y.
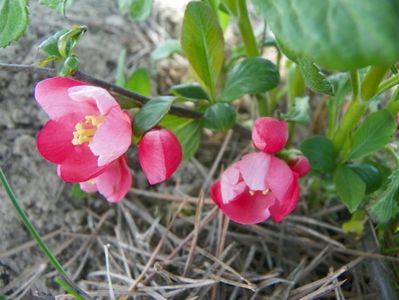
column 162, row 196
column 50, row 72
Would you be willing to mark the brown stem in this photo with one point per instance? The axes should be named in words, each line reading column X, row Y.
column 174, row 110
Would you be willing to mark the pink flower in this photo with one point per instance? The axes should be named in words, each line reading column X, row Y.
column 87, row 130
column 113, row 183
column 159, row 154
column 300, row 165
column 269, row 135
column 258, row 186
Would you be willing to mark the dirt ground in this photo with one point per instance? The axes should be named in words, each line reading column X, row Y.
column 306, row 256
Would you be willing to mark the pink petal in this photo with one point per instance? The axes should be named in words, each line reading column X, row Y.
column 283, row 208
column 115, row 181
column 301, row 165
column 279, row 178
column 231, row 183
column 159, row 154
column 88, row 186
column 113, row 137
column 269, row 135
column 245, row 209
column 254, row 169
column 93, row 94
column 52, row 96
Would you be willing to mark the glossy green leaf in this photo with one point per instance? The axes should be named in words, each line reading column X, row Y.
column 190, row 91
column 13, row 20
column 50, row 45
column 350, row 187
column 166, row 49
column 314, row 78
column 138, row 10
column 139, row 82
column 375, row 132
column 300, row 112
column 70, row 39
column 69, row 66
column 219, row 116
column 203, row 44
column 387, row 206
column 57, row 5
column 320, row 152
column 188, row 131
column 370, row 175
column 151, row 113
column 337, row 34
column 251, row 76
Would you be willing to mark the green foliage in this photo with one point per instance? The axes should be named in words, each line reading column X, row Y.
column 13, row 20
column 370, row 175
column 203, row 44
column 355, row 224
column 57, row 5
column 337, row 34
column 375, row 132
column 137, row 10
column 190, row 91
column 300, row 112
column 350, row 187
column 387, row 208
column 314, row 78
column 139, row 82
column 320, row 152
column 70, row 65
column 77, row 192
column 165, row 50
column 188, row 131
column 251, row 76
column 120, row 69
column 151, row 113
column 219, row 116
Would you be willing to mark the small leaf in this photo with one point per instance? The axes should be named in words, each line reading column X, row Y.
column 13, row 20
column 50, row 45
column 77, row 192
column 299, row 112
column 355, row 224
column 57, row 5
column 191, row 91
column 203, row 44
column 166, row 49
column 138, row 10
column 188, row 131
column 387, row 208
column 350, row 187
column 70, row 66
column 151, row 113
column 219, row 117
column 251, row 76
column 69, row 40
column 370, row 175
column 120, row 69
column 314, row 78
column 320, row 152
column 139, row 82
column 375, row 132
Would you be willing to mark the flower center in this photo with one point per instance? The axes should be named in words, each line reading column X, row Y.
column 265, row 192
column 84, row 131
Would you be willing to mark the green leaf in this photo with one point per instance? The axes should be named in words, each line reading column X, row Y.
column 120, row 69
column 50, row 45
column 69, row 66
column 166, row 49
column 300, row 112
column 370, row 175
column 188, row 131
column 13, row 20
column 320, row 152
column 314, row 78
column 69, row 40
column 57, row 5
column 190, row 91
column 350, row 187
column 387, row 206
column 337, row 34
column 219, row 116
column 151, row 113
column 203, row 44
column 77, row 192
column 251, row 76
column 138, row 10
column 139, row 82
column 355, row 224
column 375, row 132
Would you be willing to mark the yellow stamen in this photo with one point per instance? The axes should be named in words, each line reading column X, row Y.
column 266, row 191
column 251, row 192
column 84, row 131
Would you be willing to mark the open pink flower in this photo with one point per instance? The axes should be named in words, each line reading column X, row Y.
column 159, row 154
column 269, row 135
column 87, row 129
column 258, row 186
column 113, row 183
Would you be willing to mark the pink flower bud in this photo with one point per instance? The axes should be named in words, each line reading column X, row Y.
column 269, row 135
column 300, row 165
